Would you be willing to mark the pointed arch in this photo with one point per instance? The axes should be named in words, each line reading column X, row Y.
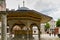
column 19, row 25
column 33, row 24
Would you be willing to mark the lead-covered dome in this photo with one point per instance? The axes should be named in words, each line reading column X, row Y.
column 22, row 8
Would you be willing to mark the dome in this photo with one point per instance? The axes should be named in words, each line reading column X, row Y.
column 22, row 8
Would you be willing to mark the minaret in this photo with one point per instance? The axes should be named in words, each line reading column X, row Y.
column 2, row 5
column 23, row 3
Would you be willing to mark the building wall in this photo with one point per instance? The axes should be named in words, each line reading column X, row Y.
column 43, row 28
column 52, row 26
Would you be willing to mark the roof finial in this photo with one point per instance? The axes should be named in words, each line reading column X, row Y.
column 18, row 6
column 23, row 3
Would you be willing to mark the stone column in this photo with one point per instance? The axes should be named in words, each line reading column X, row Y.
column 28, row 28
column 31, row 34
column 39, row 32
column 4, row 26
column 10, row 35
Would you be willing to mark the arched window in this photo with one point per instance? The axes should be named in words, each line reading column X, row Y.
column 35, row 30
column 24, row 28
column 16, row 27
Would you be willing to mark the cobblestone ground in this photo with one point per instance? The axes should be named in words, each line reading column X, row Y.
column 47, row 37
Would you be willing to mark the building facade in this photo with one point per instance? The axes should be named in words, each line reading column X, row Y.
column 52, row 25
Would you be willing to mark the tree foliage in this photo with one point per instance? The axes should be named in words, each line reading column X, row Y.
column 47, row 26
column 1, row 0
column 58, row 23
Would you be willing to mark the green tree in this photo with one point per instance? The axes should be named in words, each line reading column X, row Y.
column 1, row 0
column 47, row 26
column 58, row 23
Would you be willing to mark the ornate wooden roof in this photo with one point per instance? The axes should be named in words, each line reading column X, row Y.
column 27, row 15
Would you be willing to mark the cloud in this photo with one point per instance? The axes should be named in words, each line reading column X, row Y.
column 46, row 4
column 12, row 4
column 49, row 7
column 55, row 14
column 31, row 3
column 48, row 11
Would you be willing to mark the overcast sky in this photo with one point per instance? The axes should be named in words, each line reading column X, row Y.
column 48, row 7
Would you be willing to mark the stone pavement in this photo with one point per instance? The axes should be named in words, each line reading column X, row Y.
column 48, row 37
